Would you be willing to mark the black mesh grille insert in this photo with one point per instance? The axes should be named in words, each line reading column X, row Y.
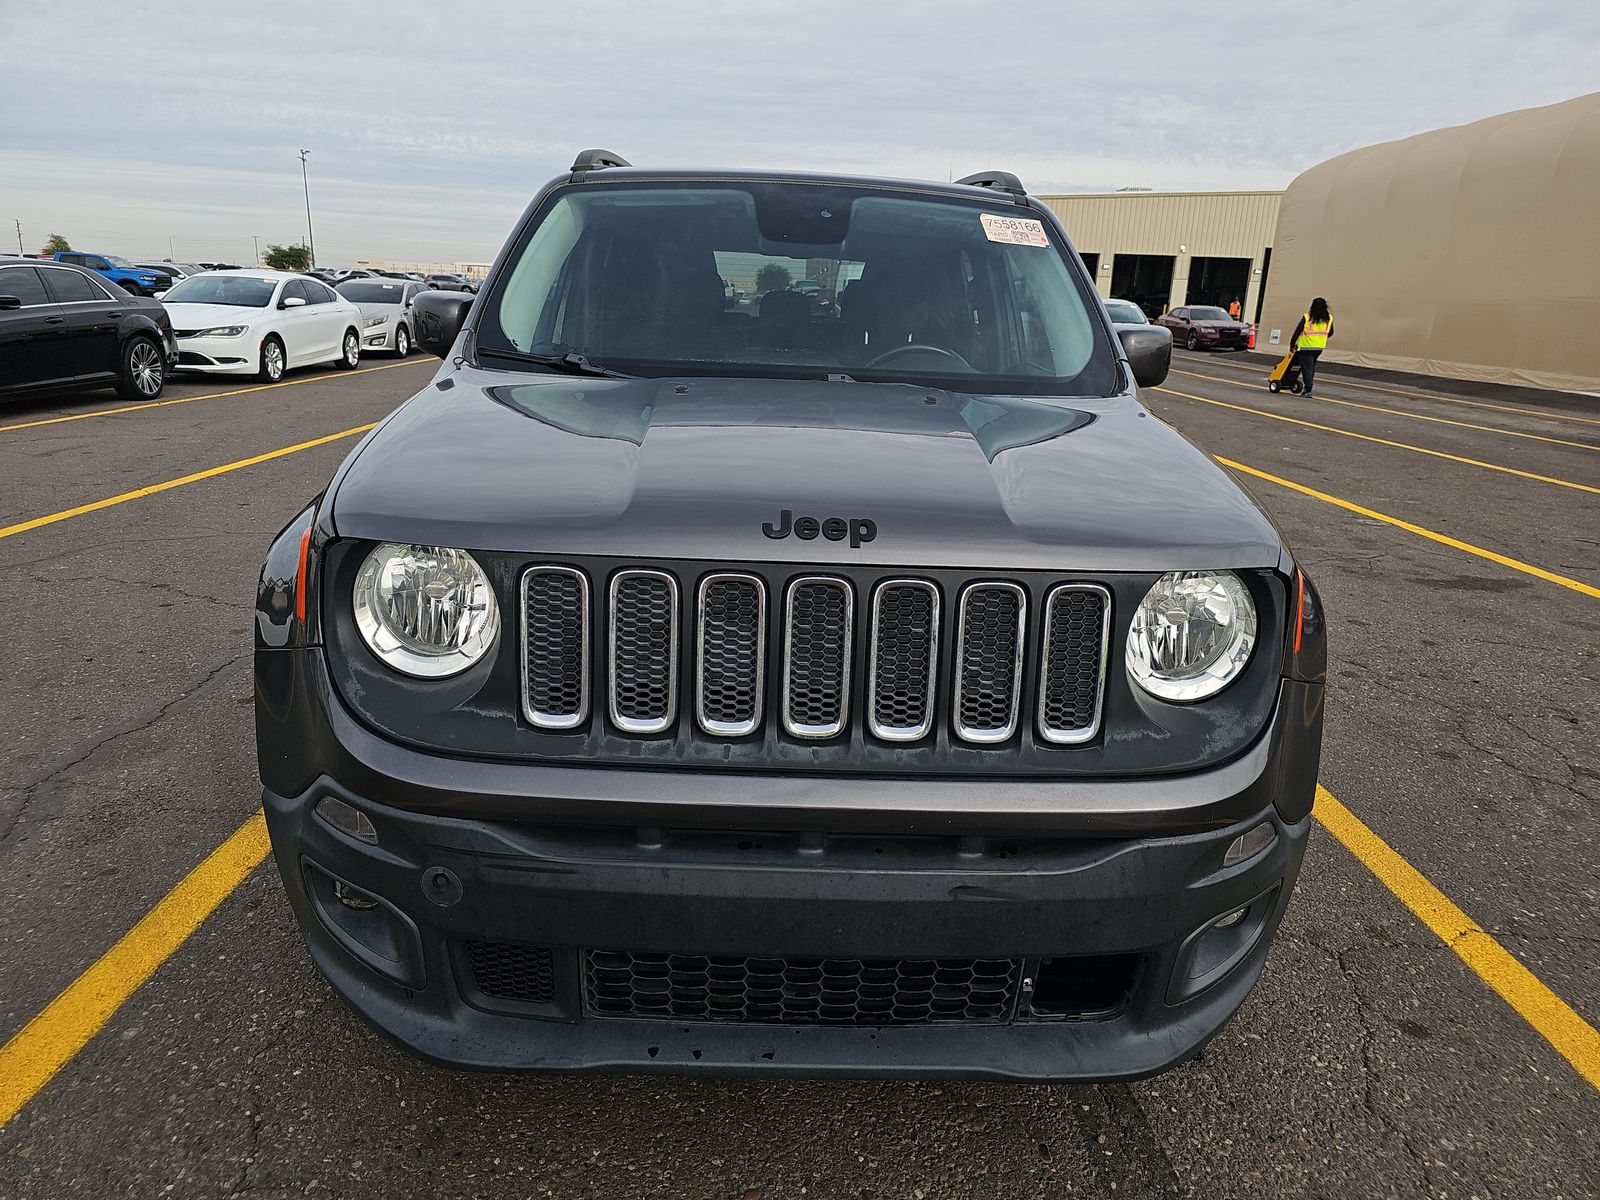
column 817, row 679
column 732, row 626
column 507, row 972
column 902, row 666
column 987, row 678
column 555, row 647
column 1069, row 695
column 800, row 991
column 643, row 650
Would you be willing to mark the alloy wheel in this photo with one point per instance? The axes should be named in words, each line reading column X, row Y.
column 272, row 356
column 146, row 368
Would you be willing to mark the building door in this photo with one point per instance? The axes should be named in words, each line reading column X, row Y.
column 1218, row 281
column 1146, row 279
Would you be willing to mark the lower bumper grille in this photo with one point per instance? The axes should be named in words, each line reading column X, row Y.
column 503, row 971
column 771, row 990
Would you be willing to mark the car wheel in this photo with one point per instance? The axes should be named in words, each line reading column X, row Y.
column 1274, row 386
column 351, row 358
column 402, row 342
column 1297, row 387
column 128, row 286
column 1194, row 340
column 273, row 361
column 144, row 370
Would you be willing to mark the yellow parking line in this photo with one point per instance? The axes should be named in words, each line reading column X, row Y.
column 1565, row 581
column 1552, row 1018
column 49, row 1041
column 1365, row 437
column 148, row 405
column 67, row 514
column 1415, row 416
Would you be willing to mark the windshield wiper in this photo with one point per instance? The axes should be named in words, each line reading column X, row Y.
column 571, row 364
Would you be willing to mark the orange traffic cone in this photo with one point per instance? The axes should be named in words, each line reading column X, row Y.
column 1252, row 343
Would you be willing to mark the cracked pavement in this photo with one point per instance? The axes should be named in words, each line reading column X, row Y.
column 1369, row 1061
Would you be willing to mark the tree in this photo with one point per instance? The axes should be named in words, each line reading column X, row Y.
column 287, row 258
column 773, row 277
column 55, row 244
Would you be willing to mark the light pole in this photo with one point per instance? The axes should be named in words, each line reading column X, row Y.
column 171, row 253
column 311, row 241
column 257, row 241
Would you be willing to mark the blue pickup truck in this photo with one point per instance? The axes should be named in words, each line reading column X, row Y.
column 141, row 281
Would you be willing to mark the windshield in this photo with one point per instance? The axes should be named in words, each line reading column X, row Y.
column 1208, row 314
column 801, row 281
column 1124, row 313
column 240, row 290
column 115, row 261
column 371, row 291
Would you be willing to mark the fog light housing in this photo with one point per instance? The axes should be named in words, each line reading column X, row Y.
column 352, row 897
column 347, row 819
column 1248, row 845
column 1220, row 946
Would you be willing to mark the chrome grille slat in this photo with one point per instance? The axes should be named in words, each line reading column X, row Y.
column 991, row 630
column 1072, row 664
column 730, row 666
column 643, row 651
column 902, row 659
column 817, row 643
column 555, row 647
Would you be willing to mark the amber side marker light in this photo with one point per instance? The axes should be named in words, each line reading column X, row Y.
column 305, row 555
column 1299, row 599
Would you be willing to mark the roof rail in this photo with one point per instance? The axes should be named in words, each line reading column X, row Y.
column 1001, row 181
column 595, row 160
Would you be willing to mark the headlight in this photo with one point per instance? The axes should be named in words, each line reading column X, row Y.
column 425, row 610
column 371, row 321
column 1191, row 635
column 222, row 331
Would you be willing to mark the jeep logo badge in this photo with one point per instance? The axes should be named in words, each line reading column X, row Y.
column 835, row 529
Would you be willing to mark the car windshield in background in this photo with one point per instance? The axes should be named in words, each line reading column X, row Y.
column 1208, row 314
column 370, row 291
column 800, row 281
column 1126, row 314
column 118, row 262
column 237, row 290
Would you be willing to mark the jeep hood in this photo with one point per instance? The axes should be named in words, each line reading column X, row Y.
column 692, row 468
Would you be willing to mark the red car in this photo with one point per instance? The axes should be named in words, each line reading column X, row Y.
column 1200, row 327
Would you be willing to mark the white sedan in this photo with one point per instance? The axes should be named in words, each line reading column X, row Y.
column 261, row 323
column 385, row 305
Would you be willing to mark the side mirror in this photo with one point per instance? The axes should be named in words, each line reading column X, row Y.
column 1149, row 351
column 10, row 302
column 439, row 317
column 292, row 302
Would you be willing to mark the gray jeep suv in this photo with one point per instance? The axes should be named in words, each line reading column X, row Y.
column 694, row 678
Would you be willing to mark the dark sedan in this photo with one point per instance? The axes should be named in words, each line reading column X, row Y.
column 1203, row 328
column 62, row 327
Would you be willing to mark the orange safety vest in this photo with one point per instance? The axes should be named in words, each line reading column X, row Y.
column 1314, row 336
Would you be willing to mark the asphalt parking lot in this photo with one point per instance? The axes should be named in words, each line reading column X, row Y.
column 1456, row 540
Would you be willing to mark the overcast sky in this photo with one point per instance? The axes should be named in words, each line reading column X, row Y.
column 124, row 125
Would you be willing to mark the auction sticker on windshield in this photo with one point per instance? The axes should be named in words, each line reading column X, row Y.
column 1019, row 231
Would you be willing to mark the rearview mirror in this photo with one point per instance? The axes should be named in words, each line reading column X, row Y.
column 438, row 317
column 1149, row 351
column 292, row 302
column 10, row 302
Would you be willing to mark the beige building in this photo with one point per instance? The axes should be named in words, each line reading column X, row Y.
column 1471, row 252
column 1163, row 249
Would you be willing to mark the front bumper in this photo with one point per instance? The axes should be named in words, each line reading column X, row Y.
column 379, row 337
column 219, row 355
column 453, row 871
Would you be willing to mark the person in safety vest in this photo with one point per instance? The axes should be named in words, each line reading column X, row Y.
column 1310, row 339
column 1235, row 309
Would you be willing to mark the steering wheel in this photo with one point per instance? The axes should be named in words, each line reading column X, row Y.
column 916, row 347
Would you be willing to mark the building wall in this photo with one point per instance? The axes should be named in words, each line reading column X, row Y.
column 1471, row 252
column 1185, row 225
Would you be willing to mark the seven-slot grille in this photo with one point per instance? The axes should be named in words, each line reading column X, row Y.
column 907, row 658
